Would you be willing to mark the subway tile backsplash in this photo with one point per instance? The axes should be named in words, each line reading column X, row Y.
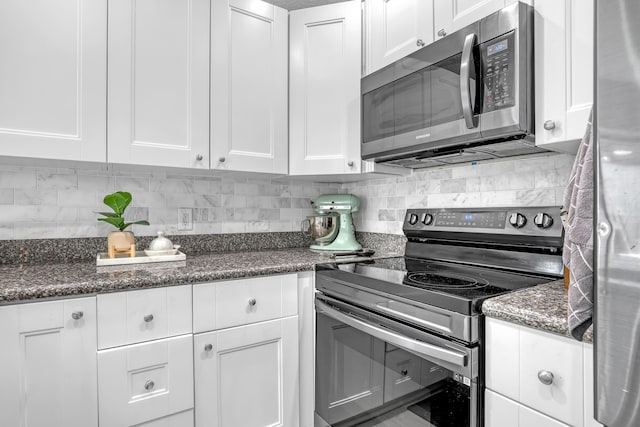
column 38, row 202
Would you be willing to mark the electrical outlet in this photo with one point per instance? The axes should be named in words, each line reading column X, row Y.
column 185, row 219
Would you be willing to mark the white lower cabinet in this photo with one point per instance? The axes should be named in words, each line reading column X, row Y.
column 536, row 379
column 248, row 375
column 148, row 382
column 48, row 365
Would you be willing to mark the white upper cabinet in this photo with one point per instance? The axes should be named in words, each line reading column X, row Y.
column 53, row 79
column 451, row 15
column 324, row 97
column 249, row 75
column 396, row 28
column 159, row 82
column 564, row 71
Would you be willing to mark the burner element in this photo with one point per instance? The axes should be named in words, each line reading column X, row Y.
column 424, row 279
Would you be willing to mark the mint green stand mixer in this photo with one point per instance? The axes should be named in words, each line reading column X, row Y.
column 343, row 205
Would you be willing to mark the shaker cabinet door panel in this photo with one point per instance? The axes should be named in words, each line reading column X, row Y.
column 159, row 82
column 248, row 376
column 48, row 364
column 324, row 94
column 563, row 47
column 249, row 128
column 53, row 79
column 395, row 29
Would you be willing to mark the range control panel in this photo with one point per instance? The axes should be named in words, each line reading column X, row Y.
column 541, row 221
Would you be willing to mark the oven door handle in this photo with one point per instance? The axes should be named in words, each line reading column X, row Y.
column 418, row 347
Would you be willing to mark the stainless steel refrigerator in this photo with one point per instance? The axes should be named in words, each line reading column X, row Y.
column 617, row 221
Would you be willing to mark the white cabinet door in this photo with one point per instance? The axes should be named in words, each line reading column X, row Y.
column 48, row 364
column 542, row 352
column 564, row 71
column 159, row 82
column 502, row 368
column 248, row 376
column 324, row 93
column 452, row 15
column 249, row 47
column 529, row 418
column 499, row 411
column 396, row 28
column 53, row 79
column 144, row 382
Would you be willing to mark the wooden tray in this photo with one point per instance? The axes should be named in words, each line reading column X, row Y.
column 140, row 258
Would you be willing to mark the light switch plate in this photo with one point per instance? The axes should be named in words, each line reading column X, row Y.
column 185, row 219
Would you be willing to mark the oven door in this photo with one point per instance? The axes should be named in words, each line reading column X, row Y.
column 374, row 371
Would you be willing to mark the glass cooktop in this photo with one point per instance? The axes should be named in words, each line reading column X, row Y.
column 456, row 287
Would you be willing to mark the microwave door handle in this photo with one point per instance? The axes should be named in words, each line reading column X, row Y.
column 466, row 64
column 420, row 348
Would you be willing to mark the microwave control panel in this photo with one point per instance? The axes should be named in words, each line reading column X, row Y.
column 498, row 70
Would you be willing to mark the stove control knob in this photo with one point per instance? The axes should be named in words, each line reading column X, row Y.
column 517, row 220
column 413, row 219
column 543, row 220
column 427, row 219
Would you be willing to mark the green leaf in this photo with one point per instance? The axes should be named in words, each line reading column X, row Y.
column 116, row 222
column 109, row 214
column 118, row 201
column 141, row 222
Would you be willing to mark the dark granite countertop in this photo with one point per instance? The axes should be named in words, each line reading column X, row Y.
column 29, row 282
column 542, row 307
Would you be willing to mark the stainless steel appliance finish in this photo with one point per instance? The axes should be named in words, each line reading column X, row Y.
column 399, row 340
column 465, row 97
column 617, row 216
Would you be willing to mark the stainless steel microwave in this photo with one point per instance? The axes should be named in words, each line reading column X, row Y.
column 467, row 96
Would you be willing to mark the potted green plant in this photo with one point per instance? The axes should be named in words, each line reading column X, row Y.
column 120, row 241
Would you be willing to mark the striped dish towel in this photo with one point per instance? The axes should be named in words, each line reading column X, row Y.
column 578, row 241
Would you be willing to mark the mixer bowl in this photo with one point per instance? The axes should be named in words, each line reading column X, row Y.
column 323, row 229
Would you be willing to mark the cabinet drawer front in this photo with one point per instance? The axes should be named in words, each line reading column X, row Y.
column 238, row 302
column 144, row 382
column 543, row 353
column 136, row 316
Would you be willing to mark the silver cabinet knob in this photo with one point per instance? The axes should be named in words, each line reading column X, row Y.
column 148, row 318
column 404, row 372
column 442, row 32
column 420, row 43
column 545, row 377
column 222, row 159
column 549, row 125
column 149, row 385
column 252, row 302
column 199, row 157
column 208, row 347
column 77, row 315
column 350, row 163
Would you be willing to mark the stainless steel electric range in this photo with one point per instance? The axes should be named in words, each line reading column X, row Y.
column 399, row 341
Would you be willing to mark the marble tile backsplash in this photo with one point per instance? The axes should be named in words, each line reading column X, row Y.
column 40, row 202
column 37, row 202
column 515, row 182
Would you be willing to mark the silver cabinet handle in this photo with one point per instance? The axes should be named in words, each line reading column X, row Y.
column 148, row 318
column 149, row 385
column 466, row 63
column 442, row 32
column 420, row 43
column 199, row 157
column 252, row 302
column 549, row 125
column 77, row 315
column 208, row 347
column 545, row 377
column 350, row 163
column 222, row 159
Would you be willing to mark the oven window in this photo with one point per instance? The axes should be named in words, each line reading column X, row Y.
column 363, row 381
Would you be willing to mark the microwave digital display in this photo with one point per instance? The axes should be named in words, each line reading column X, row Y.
column 497, row 47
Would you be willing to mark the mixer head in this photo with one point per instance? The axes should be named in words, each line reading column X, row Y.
column 341, row 203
